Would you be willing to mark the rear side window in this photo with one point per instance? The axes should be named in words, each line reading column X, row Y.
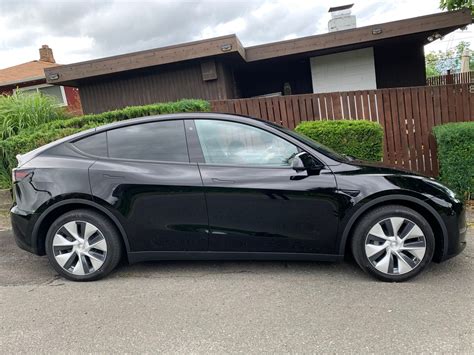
column 163, row 141
column 94, row 145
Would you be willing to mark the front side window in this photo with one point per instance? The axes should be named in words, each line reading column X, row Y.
column 234, row 143
column 161, row 141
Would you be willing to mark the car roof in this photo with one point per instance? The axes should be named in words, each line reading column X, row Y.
column 24, row 158
column 185, row 115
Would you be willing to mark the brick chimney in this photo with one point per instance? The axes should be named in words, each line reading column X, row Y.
column 46, row 54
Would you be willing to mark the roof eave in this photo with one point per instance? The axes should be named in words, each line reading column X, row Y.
column 72, row 74
column 22, row 81
column 451, row 20
column 150, row 58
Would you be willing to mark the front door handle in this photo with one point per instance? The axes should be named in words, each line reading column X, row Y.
column 216, row 180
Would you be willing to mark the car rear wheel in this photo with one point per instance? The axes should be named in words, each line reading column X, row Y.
column 83, row 245
column 393, row 243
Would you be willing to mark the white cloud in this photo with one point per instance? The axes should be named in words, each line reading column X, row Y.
column 85, row 29
column 451, row 40
column 235, row 26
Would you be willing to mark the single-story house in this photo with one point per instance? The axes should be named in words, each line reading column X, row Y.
column 30, row 77
column 346, row 58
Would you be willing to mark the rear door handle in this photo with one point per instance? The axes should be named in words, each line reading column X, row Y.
column 216, row 180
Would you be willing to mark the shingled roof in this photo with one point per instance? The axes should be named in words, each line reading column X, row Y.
column 25, row 72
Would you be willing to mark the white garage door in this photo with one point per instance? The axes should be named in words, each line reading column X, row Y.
column 346, row 71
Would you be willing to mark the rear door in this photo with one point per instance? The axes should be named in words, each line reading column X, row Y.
column 256, row 201
column 144, row 176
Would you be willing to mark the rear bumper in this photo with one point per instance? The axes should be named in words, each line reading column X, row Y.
column 22, row 226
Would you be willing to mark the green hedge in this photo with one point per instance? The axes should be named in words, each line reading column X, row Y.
column 357, row 138
column 456, row 156
column 30, row 139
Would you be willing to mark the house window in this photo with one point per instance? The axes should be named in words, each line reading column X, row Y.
column 57, row 92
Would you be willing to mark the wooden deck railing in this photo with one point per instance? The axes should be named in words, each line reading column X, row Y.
column 456, row 78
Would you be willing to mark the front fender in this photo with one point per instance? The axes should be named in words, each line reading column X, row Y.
column 370, row 202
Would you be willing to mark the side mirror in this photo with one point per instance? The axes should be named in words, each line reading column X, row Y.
column 297, row 163
column 304, row 161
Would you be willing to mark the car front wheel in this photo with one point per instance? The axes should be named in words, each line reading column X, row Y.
column 393, row 243
column 83, row 245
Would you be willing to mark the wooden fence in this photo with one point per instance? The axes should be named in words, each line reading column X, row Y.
column 457, row 78
column 406, row 114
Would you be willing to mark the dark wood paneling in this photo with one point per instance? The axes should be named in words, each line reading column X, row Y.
column 266, row 77
column 159, row 84
column 399, row 65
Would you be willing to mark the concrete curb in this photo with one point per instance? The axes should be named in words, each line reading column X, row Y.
column 5, row 199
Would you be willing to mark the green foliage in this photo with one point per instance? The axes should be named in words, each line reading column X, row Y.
column 451, row 5
column 361, row 139
column 42, row 134
column 456, row 156
column 21, row 111
column 433, row 64
column 437, row 63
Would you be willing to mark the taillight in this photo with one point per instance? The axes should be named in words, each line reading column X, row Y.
column 20, row 174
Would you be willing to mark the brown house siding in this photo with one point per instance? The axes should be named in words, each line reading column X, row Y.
column 158, row 84
column 400, row 65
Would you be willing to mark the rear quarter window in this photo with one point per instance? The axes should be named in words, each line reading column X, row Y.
column 93, row 145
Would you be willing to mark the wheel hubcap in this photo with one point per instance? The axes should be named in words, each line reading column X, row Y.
column 79, row 248
column 395, row 246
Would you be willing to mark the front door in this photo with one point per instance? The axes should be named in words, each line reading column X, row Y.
column 256, row 201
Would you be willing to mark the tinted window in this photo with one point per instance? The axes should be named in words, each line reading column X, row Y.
column 235, row 143
column 94, row 145
column 163, row 141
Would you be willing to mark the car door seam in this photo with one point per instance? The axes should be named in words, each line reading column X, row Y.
column 208, row 230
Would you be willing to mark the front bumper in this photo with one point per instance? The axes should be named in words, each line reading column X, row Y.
column 457, row 239
column 22, row 226
column 453, row 216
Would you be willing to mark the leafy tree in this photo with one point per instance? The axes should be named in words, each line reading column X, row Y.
column 456, row 5
column 438, row 63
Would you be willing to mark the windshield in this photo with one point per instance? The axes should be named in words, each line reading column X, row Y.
column 315, row 145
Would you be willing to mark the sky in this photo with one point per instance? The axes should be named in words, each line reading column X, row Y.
column 88, row 29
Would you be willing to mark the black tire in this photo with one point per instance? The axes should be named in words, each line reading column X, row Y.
column 107, row 230
column 381, row 214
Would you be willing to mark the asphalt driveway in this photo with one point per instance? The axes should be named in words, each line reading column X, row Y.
column 247, row 307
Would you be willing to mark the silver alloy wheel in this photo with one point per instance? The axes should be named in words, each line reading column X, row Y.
column 79, row 248
column 395, row 246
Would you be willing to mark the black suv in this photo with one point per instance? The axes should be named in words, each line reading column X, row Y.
column 215, row 186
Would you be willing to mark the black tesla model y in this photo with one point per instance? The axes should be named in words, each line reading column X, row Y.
column 215, row 186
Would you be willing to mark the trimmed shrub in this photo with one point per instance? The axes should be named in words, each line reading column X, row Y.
column 30, row 139
column 358, row 138
column 456, row 156
column 25, row 110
